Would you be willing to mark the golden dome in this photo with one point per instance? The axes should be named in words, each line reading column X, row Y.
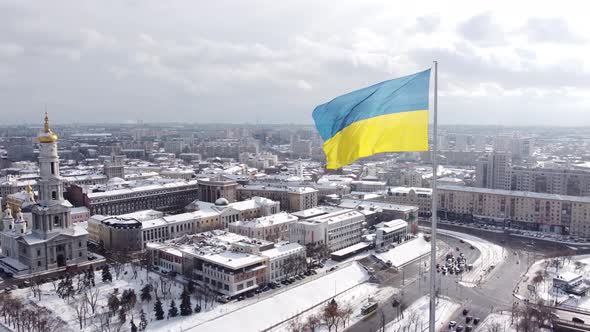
column 48, row 136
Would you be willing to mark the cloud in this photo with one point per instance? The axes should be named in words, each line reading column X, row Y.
column 153, row 60
column 10, row 50
column 92, row 39
column 303, row 85
column 550, row 30
column 482, row 29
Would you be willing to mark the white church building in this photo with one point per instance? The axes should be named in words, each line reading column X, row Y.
column 49, row 240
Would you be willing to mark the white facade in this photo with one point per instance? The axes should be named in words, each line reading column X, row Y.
column 284, row 261
column 271, row 228
column 53, row 242
column 336, row 230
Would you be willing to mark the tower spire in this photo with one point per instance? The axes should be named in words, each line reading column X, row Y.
column 47, row 130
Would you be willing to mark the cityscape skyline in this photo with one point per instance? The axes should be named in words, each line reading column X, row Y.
column 498, row 66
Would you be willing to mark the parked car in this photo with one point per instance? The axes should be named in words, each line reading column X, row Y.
column 468, row 319
column 452, row 324
column 577, row 320
column 465, row 312
column 476, row 320
column 459, row 328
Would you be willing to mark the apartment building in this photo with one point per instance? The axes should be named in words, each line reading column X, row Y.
column 528, row 210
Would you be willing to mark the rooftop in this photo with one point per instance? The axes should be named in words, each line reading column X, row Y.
column 281, row 250
column 139, row 189
column 274, row 219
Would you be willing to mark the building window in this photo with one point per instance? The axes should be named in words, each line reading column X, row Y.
column 80, row 244
column 53, row 195
column 38, row 252
column 80, row 254
column 38, row 263
column 56, row 221
column 53, row 168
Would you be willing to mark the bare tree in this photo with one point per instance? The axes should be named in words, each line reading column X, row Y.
column 495, row 327
column 91, row 298
column 345, row 312
column 36, row 287
column 81, row 310
column 295, row 324
column 312, row 322
column 330, row 314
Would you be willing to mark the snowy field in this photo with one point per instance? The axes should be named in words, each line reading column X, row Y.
column 273, row 310
column 355, row 298
column 415, row 318
column 496, row 322
column 406, row 252
column 166, row 290
column 550, row 268
column 490, row 255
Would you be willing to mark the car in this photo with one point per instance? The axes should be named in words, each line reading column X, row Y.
column 468, row 319
column 461, row 241
column 468, row 328
column 457, row 248
column 465, row 312
column 476, row 320
column 452, row 324
column 577, row 320
column 395, row 303
column 471, row 247
column 241, row 298
column 333, row 268
column 250, row 294
column 222, row 299
column 459, row 328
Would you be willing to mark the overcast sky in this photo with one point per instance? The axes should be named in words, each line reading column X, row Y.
column 514, row 63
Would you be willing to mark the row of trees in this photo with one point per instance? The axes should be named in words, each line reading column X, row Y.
column 332, row 316
column 27, row 317
column 186, row 308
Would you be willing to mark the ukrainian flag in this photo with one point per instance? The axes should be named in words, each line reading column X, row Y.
column 390, row 116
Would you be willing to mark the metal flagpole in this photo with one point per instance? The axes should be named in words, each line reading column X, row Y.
column 434, row 208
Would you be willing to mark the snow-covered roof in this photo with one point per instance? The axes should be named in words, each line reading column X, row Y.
column 141, row 189
column 568, row 276
column 274, row 219
column 232, row 260
column 282, row 250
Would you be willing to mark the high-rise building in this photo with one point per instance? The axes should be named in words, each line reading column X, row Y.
column 461, row 142
column 493, row 171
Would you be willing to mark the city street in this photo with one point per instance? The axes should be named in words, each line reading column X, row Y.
column 493, row 295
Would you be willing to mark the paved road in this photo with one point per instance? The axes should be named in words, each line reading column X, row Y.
column 493, row 295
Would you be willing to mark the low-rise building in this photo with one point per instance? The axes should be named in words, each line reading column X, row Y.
column 132, row 232
column 291, row 198
column 389, row 232
column 335, row 230
column 227, row 263
column 249, row 209
column 167, row 197
column 271, row 228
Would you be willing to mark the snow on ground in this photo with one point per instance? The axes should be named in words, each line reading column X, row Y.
column 490, row 255
column 416, row 316
column 355, row 297
column 406, row 252
column 548, row 269
column 273, row 310
column 66, row 309
column 497, row 322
